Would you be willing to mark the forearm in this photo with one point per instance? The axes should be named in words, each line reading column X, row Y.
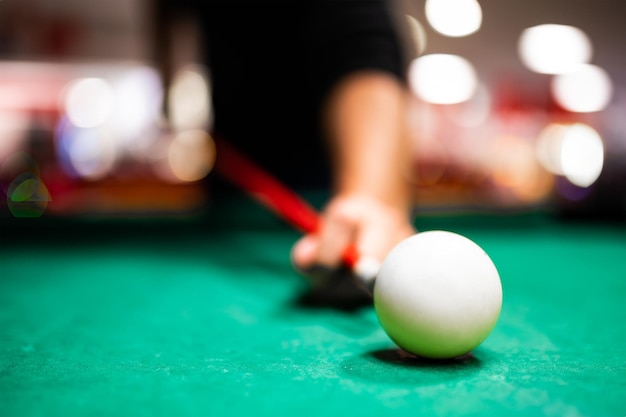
column 372, row 200
column 366, row 124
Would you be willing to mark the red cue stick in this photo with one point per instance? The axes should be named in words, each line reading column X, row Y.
column 271, row 193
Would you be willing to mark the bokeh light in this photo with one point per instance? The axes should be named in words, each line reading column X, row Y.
column 574, row 151
column 189, row 102
column 554, row 49
column 582, row 155
column 587, row 88
column 88, row 102
column 138, row 99
column 25, row 192
column 548, row 147
column 418, row 35
column 442, row 78
column 85, row 153
column 27, row 196
column 454, row 18
column 191, row 155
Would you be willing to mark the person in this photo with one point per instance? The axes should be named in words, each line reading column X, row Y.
column 315, row 92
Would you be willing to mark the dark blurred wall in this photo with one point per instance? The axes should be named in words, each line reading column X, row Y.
column 74, row 29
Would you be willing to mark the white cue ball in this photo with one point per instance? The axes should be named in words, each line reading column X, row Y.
column 438, row 295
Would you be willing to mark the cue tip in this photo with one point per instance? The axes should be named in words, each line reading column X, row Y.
column 366, row 269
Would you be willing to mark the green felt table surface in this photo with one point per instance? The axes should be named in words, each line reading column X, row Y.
column 208, row 318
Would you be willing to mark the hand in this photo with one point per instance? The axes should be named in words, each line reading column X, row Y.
column 372, row 225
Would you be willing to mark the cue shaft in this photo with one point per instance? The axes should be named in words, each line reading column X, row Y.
column 284, row 202
column 264, row 188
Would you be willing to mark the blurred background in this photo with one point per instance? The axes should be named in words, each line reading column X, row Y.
column 516, row 105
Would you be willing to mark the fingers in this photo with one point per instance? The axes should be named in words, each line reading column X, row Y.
column 326, row 248
column 372, row 228
column 337, row 231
